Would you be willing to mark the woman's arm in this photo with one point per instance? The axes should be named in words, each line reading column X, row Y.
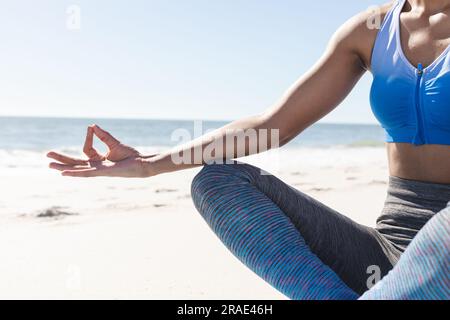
column 313, row 96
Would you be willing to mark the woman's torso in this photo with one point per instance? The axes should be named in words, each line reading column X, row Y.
column 422, row 39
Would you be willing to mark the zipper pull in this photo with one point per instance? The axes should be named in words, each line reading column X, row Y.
column 420, row 69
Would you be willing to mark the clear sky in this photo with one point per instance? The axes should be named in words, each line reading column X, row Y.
column 171, row 59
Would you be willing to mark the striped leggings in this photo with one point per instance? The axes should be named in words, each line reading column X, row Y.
column 244, row 209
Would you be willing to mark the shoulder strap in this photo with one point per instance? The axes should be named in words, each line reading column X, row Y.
column 385, row 45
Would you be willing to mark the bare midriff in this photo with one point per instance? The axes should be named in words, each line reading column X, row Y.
column 428, row 163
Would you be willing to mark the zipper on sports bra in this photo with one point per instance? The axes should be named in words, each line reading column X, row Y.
column 420, row 135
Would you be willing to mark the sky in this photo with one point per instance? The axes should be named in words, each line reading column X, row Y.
column 165, row 59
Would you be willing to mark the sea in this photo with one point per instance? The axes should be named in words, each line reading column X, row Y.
column 24, row 141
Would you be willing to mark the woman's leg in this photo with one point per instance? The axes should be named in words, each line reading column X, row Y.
column 423, row 272
column 292, row 241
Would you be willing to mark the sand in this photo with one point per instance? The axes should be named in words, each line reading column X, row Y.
column 63, row 238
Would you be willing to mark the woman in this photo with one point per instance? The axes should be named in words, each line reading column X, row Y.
column 297, row 244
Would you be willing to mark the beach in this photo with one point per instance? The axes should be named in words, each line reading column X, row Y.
column 335, row 83
column 143, row 239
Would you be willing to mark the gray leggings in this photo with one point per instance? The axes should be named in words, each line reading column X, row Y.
column 347, row 247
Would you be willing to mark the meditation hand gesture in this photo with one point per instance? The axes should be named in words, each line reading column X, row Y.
column 120, row 160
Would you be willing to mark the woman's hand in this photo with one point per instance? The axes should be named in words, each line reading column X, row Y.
column 120, row 160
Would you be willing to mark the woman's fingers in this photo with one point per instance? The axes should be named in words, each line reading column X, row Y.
column 66, row 159
column 106, row 137
column 130, row 168
column 84, row 173
column 63, row 167
column 89, row 149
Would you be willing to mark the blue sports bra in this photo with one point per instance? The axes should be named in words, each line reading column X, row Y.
column 411, row 102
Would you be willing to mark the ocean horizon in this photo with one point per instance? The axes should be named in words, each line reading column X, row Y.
column 24, row 141
column 44, row 133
